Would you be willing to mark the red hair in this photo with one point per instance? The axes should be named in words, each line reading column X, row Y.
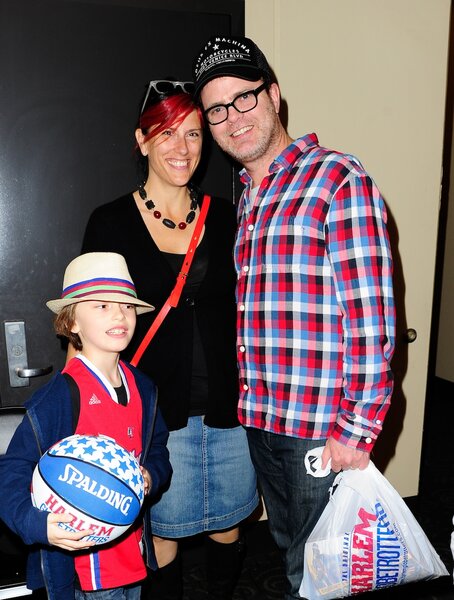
column 169, row 112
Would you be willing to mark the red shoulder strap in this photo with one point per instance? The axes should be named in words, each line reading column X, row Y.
column 172, row 300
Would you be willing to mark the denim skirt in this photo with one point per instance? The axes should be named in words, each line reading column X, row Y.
column 213, row 485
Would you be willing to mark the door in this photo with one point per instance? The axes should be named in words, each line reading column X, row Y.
column 73, row 74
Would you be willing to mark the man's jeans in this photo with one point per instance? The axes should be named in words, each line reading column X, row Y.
column 131, row 592
column 294, row 500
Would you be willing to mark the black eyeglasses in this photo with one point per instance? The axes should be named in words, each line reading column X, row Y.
column 242, row 103
column 163, row 87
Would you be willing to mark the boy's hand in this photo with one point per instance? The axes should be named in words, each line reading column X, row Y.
column 57, row 536
column 146, row 480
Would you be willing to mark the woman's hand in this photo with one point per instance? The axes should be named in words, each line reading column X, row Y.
column 146, row 480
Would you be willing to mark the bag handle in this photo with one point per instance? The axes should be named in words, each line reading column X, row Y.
column 172, row 300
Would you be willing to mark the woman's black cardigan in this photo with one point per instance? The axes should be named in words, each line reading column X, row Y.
column 119, row 227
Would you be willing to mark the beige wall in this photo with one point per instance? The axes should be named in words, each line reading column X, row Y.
column 369, row 78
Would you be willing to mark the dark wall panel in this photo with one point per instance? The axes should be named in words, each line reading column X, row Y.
column 72, row 76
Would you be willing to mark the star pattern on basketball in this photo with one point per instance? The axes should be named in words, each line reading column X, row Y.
column 104, row 452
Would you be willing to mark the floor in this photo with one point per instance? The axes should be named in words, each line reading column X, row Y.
column 262, row 575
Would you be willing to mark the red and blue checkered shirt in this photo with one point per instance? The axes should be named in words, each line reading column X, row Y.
column 316, row 313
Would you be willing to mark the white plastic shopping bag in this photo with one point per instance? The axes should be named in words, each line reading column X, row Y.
column 452, row 547
column 366, row 539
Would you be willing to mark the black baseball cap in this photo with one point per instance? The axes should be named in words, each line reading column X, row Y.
column 230, row 56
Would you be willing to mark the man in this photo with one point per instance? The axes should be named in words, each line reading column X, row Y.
column 315, row 304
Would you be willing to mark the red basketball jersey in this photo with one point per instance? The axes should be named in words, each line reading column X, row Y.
column 119, row 563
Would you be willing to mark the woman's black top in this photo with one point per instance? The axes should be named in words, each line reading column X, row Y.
column 199, row 374
column 169, row 359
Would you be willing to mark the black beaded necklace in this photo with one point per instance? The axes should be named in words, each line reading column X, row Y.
column 165, row 221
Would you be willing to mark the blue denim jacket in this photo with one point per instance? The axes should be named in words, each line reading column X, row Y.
column 48, row 419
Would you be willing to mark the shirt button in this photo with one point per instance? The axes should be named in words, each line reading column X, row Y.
column 250, row 227
column 368, row 440
column 245, row 387
column 242, row 348
column 242, row 307
column 245, row 268
column 378, row 422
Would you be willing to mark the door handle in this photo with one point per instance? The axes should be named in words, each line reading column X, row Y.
column 33, row 372
column 16, row 354
column 411, row 335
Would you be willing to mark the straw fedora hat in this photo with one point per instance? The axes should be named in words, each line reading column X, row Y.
column 98, row 276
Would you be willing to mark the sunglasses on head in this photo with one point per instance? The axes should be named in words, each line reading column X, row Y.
column 164, row 87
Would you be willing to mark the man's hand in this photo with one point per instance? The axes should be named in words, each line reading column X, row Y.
column 58, row 536
column 343, row 457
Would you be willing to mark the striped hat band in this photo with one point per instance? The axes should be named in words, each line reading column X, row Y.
column 94, row 286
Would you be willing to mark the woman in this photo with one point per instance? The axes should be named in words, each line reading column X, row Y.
column 192, row 357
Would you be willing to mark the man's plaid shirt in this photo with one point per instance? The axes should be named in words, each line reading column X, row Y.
column 315, row 302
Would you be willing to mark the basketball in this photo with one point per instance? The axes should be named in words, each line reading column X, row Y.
column 95, row 480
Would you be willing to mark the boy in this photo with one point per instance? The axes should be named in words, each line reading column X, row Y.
column 96, row 393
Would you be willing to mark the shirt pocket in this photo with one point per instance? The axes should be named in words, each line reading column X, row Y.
column 306, row 230
column 294, row 244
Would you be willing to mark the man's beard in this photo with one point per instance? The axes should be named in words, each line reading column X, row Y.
column 267, row 138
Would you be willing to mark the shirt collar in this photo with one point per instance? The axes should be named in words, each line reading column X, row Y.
column 103, row 380
column 287, row 158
